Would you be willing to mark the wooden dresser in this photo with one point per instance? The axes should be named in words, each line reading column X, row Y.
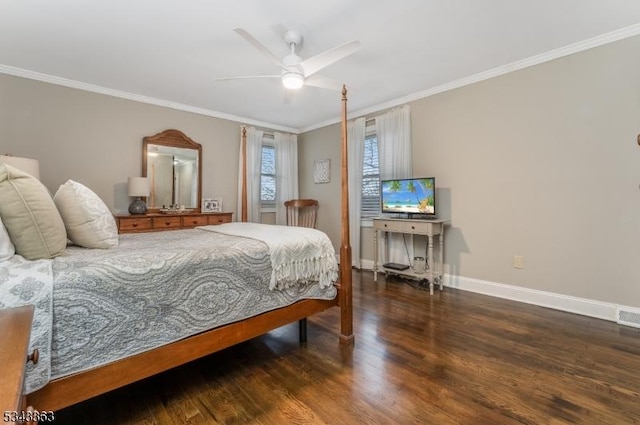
column 158, row 222
column 15, row 331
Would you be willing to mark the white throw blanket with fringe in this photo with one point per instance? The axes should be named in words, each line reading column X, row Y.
column 298, row 254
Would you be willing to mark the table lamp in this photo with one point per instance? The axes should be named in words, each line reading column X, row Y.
column 28, row 165
column 138, row 187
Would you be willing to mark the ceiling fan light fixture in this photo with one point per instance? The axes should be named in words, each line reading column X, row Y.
column 292, row 80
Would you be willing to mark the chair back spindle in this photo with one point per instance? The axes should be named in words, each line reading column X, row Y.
column 302, row 212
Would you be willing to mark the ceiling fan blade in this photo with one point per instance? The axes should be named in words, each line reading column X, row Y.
column 246, row 77
column 323, row 82
column 326, row 58
column 255, row 43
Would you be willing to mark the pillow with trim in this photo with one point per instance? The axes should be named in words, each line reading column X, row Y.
column 7, row 250
column 30, row 215
column 86, row 217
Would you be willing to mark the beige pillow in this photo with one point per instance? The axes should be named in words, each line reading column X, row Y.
column 30, row 216
column 88, row 221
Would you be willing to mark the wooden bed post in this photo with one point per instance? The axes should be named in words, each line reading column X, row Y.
column 244, row 174
column 346, row 307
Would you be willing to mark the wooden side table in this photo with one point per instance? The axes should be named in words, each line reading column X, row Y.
column 15, row 331
column 429, row 228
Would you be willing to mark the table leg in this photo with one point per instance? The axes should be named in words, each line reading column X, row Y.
column 431, row 264
column 375, row 255
column 441, row 257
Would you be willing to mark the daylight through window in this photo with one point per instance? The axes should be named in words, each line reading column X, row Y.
column 268, row 177
column 370, row 206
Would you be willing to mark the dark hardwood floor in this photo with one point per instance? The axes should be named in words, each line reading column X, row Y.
column 451, row 358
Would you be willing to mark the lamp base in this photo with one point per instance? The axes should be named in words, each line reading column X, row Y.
column 138, row 207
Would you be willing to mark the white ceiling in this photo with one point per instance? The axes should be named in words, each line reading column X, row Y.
column 170, row 52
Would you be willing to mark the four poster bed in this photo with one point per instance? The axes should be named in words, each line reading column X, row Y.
column 65, row 391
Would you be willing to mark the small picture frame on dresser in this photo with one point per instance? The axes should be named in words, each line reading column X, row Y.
column 211, row 205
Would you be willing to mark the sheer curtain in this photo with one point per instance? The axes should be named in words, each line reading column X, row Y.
column 394, row 143
column 254, row 158
column 355, row 153
column 286, row 147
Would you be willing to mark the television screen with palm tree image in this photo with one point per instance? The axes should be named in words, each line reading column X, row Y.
column 414, row 197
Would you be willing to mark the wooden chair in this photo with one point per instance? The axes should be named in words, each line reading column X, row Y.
column 302, row 212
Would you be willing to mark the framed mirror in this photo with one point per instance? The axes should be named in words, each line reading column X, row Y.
column 173, row 164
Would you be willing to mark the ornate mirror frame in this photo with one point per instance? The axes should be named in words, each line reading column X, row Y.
column 175, row 139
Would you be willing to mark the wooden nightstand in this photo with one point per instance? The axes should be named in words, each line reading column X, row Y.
column 15, row 331
column 158, row 222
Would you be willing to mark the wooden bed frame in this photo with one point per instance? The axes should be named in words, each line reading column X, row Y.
column 72, row 389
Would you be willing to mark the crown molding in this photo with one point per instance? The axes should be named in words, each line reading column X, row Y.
column 590, row 43
column 46, row 78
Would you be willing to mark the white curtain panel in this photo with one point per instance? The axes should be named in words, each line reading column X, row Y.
column 286, row 149
column 394, row 141
column 355, row 153
column 254, row 161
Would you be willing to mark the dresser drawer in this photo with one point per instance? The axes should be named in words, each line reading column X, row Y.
column 220, row 218
column 134, row 224
column 167, row 222
column 154, row 222
column 194, row 220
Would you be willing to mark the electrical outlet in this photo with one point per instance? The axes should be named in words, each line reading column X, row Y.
column 518, row 261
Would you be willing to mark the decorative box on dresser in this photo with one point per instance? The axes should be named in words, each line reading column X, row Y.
column 155, row 222
column 15, row 331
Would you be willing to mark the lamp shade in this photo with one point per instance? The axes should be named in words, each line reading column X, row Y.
column 29, row 166
column 138, row 186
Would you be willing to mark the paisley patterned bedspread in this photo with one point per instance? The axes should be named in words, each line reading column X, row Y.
column 158, row 288
column 24, row 282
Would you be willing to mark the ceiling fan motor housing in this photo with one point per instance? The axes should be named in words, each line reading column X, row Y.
column 293, row 37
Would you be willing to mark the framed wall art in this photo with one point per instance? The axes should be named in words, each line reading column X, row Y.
column 322, row 171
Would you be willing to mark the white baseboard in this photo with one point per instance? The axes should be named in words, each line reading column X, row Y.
column 582, row 306
column 366, row 264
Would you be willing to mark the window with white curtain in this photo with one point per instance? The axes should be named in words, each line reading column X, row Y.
column 370, row 206
column 268, row 176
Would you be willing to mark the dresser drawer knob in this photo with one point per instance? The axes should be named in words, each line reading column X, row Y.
column 34, row 356
column 195, row 221
column 167, row 223
column 134, row 224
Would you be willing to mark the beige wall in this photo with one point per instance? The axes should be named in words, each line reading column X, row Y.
column 97, row 139
column 542, row 162
column 323, row 143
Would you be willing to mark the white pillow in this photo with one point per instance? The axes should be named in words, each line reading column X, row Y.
column 7, row 250
column 88, row 221
column 30, row 216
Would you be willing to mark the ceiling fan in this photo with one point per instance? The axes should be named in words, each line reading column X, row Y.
column 294, row 71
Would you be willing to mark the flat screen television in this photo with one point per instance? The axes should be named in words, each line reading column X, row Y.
column 415, row 197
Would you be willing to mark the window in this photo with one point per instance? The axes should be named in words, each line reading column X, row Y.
column 370, row 206
column 268, row 177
